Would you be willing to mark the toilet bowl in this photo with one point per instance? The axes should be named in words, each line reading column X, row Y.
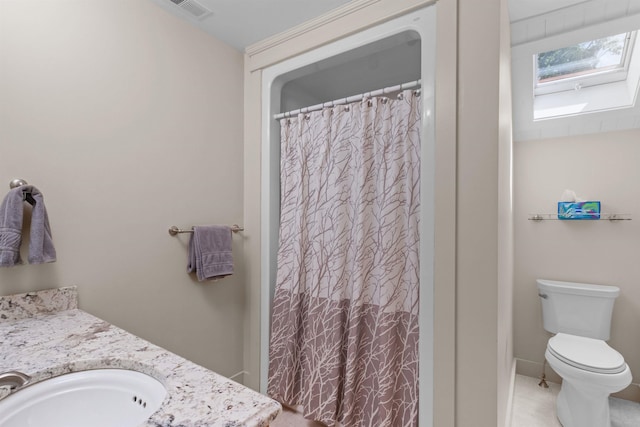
column 590, row 372
column 580, row 316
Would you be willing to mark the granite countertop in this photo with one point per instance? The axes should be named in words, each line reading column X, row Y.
column 44, row 335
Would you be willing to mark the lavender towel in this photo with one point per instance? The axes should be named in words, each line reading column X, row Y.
column 210, row 252
column 41, row 248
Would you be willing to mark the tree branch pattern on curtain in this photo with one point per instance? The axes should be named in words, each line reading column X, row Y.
column 344, row 332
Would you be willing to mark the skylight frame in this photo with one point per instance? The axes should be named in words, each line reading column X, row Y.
column 601, row 113
column 588, row 78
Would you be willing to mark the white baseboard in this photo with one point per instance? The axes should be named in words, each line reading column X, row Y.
column 238, row 377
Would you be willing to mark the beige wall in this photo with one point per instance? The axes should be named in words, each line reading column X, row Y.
column 129, row 121
column 482, row 285
column 597, row 167
column 444, row 360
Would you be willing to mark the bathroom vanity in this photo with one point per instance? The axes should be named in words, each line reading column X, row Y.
column 44, row 335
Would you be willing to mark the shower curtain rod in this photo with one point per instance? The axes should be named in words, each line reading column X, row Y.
column 349, row 99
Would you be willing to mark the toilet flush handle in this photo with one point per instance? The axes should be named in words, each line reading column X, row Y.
column 544, row 296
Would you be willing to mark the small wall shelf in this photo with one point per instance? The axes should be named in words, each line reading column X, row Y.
column 603, row 216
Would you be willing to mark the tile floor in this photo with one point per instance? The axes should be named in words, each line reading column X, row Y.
column 533, row 406
column 290, row 418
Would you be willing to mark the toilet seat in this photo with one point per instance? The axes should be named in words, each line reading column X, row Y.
column 586, row 353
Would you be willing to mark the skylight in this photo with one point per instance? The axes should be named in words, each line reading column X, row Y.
column 589, row 63
column 594, row 91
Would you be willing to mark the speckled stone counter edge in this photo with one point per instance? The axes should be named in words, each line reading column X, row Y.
column 30, row 304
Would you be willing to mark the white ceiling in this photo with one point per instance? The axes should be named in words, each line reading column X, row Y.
column 523, row 9
column 241, row 23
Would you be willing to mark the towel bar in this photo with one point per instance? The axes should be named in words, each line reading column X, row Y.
column 173, row 230
column 17, row 183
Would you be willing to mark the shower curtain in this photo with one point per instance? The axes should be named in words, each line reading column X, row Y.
column 344, row 330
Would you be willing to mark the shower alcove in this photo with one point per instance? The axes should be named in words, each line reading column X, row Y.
column 395, row 52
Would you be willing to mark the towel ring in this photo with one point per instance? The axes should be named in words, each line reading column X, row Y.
column 15, row 183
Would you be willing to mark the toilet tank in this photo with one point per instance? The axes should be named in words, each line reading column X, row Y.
column 577, row 308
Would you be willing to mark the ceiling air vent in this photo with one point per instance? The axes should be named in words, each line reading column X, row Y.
column 192, row 7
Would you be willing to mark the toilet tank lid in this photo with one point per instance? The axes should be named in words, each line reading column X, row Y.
column 602, row 291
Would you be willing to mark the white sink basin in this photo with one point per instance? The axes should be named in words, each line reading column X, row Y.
column 97, row 398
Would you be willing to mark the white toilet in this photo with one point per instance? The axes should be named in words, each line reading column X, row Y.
column 580, row 316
